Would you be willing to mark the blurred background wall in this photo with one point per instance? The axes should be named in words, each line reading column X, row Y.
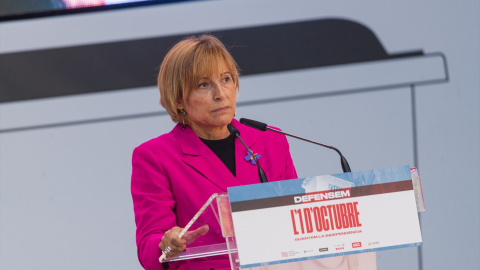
column 389, row 83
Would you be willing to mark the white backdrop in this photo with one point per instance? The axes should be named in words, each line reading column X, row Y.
column 64, row 189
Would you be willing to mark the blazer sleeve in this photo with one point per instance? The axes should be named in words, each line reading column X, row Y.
column 290, row 172
column 153, row 204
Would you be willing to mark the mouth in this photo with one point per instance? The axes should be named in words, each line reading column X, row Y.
column 221, row 109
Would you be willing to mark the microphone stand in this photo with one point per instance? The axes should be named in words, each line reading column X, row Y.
column 343, row 160
column 263, row 127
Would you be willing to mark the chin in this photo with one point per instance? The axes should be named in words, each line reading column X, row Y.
column 225, row 120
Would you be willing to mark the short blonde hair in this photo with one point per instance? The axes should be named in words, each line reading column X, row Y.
column 185, row 64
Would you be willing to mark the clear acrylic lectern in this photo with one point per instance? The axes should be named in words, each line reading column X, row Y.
column 218, row 206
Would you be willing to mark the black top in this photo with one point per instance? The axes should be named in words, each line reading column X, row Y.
column 225, row 150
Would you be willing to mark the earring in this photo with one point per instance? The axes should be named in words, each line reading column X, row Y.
column 182, row 112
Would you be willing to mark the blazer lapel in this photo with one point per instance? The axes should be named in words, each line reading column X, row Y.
column 197, row 155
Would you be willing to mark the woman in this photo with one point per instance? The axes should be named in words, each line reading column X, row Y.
column 174, row 174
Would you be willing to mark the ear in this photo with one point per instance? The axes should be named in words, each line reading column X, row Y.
column 180, row 105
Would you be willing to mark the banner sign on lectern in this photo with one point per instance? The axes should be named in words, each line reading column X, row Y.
column 324, row 216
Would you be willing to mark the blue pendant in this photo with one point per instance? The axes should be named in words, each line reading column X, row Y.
column 250, row 158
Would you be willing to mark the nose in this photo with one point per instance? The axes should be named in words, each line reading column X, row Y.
column 219, row 91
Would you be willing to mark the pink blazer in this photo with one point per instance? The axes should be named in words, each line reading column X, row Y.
column 174, row 174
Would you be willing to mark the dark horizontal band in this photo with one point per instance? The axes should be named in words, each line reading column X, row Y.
column 354, row 192
column 130, row 64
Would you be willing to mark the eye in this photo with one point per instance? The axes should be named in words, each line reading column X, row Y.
column 227, row 78
column 203, row 85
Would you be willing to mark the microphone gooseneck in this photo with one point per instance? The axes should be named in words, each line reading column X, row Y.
column 264, row 127
column 261, row 174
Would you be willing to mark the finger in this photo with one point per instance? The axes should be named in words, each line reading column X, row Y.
column 193, row 235
column 178, row 242
column 175, row 250
column 172, row 250
column 202, row 230
column 170, row 244
column 174, row 232
column 177, row 245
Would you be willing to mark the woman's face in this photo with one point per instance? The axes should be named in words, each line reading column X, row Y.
column 211, row 104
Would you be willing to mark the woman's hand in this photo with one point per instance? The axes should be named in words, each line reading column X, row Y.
column 172, row 245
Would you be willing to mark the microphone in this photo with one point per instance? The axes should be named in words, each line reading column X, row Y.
column 261, row 174
column 263, row 127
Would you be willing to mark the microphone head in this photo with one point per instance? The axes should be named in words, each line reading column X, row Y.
column 233, row 130
column 254, row 124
